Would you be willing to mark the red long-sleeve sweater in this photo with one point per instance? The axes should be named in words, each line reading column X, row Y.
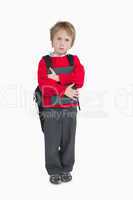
column 50, row 87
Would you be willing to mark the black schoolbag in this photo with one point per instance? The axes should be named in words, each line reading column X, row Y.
column 37, row 93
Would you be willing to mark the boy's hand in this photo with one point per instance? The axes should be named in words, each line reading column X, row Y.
column 53, row 72
column 71, row 93
column 53, row 76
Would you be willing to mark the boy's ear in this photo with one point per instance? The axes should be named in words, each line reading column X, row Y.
column 70, row 46
column 51, row 43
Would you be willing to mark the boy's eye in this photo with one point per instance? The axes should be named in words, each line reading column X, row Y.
column 59, row 38
column 67, row 40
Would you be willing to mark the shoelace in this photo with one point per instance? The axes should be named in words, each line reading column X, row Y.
column 55, row 177
column 66, row 175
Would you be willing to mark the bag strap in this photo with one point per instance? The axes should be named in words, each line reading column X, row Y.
column 48, row 61
column 70, row 58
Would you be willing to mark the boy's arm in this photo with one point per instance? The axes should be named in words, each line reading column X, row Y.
column 77, row 76
column 48, row 87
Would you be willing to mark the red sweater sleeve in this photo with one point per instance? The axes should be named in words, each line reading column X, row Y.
column 77, row 76
column 48, row 87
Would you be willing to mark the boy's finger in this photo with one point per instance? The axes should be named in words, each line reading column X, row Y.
column 74, row 98
column 72, row 84
column 53, row 72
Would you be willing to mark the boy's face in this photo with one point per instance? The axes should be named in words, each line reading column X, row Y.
column 61, row 42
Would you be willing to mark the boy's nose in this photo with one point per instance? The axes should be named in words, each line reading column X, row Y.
column 62, row 43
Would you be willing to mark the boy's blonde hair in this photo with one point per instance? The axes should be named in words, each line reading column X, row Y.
column 67, row 26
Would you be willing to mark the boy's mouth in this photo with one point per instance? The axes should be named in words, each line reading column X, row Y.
column 61, row 48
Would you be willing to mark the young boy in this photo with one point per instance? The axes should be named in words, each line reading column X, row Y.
column 59, row 103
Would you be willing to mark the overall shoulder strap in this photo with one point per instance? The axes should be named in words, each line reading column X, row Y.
column 70, row 58
column 48, row 61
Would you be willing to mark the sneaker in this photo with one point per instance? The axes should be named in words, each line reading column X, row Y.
column 66, row 177
column 55, row 179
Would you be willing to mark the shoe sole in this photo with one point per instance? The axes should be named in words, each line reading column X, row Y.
column 56, row 183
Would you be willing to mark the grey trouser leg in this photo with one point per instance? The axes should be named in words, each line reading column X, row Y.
column 59, row 128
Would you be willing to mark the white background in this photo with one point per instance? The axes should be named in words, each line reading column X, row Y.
column 104, row 144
